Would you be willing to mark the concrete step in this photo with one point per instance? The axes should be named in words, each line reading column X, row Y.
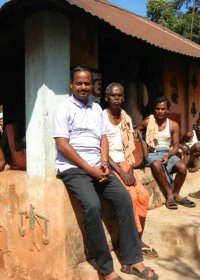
column 174, row 232
column 166, row 266
column 192, row 183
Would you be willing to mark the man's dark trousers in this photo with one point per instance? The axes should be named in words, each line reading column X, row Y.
column 85, row 189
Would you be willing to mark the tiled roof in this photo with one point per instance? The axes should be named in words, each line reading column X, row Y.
column 139, row 27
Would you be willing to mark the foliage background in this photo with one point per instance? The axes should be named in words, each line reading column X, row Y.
column 181, row 16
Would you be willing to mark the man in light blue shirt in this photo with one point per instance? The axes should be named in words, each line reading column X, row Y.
column 82, row 164
column 82, row 125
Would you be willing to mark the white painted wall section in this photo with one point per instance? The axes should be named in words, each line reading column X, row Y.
column 47, row 71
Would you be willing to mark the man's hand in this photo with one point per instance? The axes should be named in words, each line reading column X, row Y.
column 128, row 178
column 99, row 173
column 105, row 169
column 164, row 159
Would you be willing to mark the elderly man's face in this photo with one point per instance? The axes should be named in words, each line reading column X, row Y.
column 116, row 97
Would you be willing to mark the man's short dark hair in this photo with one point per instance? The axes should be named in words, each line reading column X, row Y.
column 160, row 99
column 77, row 69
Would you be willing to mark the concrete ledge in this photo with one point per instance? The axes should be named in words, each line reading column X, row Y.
column 175, row 232
column 28, row 257
column 157, row 198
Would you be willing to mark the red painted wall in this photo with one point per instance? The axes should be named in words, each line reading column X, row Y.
column 175, row 82
column 194, row 92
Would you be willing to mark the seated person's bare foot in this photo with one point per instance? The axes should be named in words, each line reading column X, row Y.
column 177, row 197
column 140, row 270
column 112, row 276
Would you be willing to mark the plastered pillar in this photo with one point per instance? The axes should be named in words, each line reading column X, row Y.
column 47, row 64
